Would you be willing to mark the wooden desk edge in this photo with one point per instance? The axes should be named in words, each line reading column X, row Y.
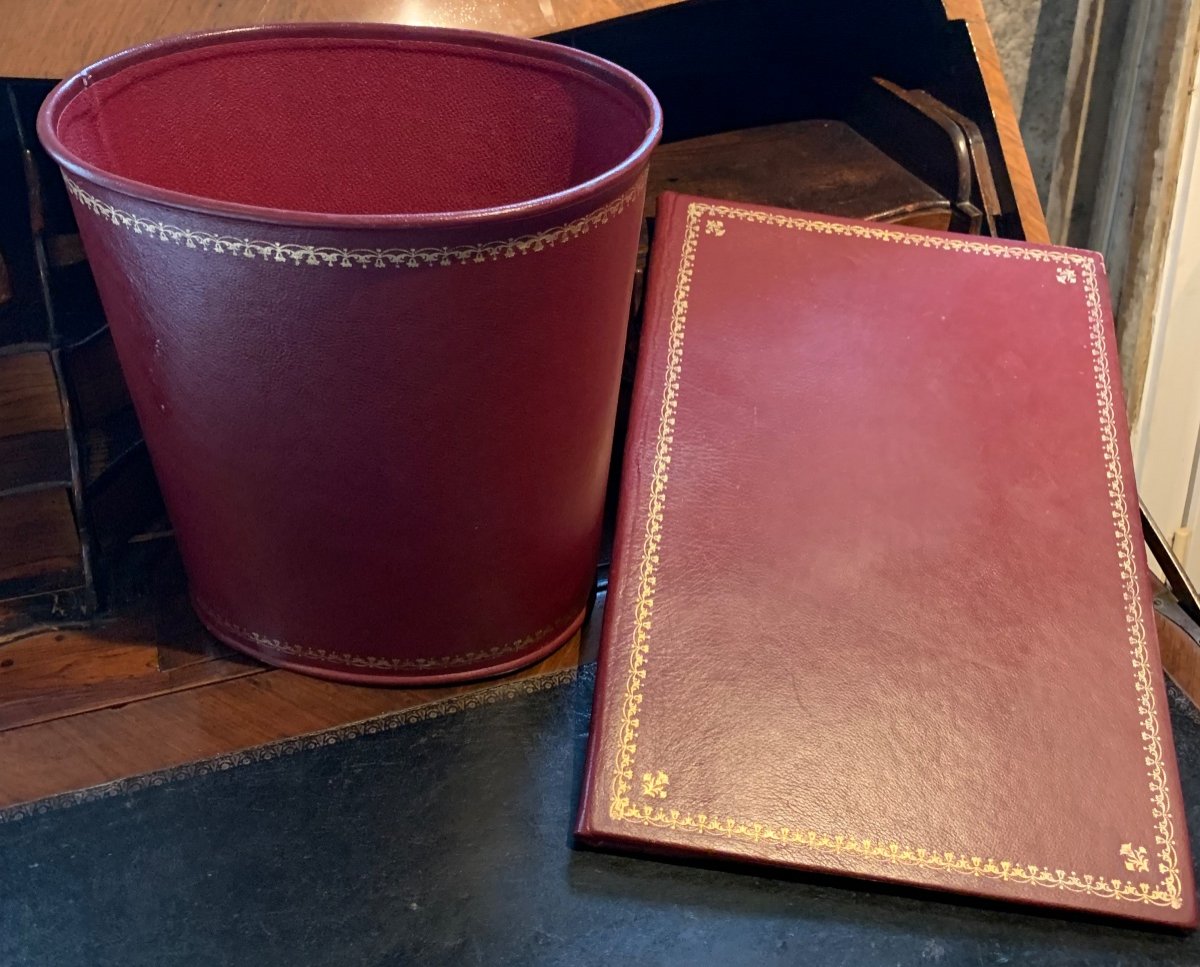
column 135, row 22
column 1029, row 206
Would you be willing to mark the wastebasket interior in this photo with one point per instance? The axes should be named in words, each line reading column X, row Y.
column 355, row 125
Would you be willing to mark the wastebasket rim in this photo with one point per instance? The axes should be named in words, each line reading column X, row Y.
column 606, row 71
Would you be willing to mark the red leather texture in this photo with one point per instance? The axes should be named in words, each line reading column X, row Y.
column 383, row 439
column 879, row 604
column 362, row 124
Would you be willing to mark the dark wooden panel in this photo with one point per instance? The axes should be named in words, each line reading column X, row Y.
column 816, row 165
column 23, row 317
column 34, row 458
column 94, row 375
column 29, row 399
column 124, row 501
column 39, row 546
column 63, row 283
column 103, row 446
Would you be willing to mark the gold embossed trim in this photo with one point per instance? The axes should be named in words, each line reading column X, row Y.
column 367, row 258
column 706, row 220
column 477, row 697
column 342, row 659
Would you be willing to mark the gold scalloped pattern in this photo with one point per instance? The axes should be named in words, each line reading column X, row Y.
column 296, row 253
column 342, row 659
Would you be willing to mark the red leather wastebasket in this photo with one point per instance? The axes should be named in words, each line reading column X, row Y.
column 368, row 285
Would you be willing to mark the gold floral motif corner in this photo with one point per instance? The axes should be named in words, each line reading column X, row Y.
column 710, row 219
column 296, row 253
column 654, row 784
column 1135, row 859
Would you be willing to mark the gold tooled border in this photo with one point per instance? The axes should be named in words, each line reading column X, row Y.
column 343, row 659
column 1068, row 267
column 367, row 258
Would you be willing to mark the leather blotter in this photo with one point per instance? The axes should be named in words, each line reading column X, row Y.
column 879, row 604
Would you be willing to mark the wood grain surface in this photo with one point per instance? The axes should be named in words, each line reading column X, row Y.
column 1180, row 656
column 78, row 711
column 54, row 38
column 814, row 165
column 1017, row 161
column 38, row 536
column 84, row 707
column 29, row 400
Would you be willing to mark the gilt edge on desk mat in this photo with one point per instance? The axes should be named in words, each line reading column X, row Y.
column 478, row 697
column 844, row 426
column 447, row 842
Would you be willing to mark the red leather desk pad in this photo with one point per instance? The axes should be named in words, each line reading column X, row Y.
column 863, row 466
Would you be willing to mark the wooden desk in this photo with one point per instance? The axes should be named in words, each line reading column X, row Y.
column 54, row 38
column 82, row 707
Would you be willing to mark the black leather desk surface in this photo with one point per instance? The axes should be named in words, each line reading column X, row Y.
column 448, row 841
